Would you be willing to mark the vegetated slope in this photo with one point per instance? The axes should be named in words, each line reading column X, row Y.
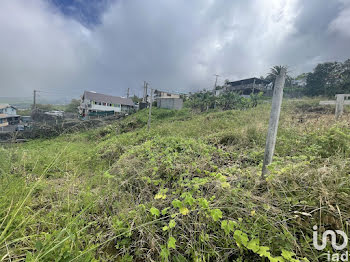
column 187, row 190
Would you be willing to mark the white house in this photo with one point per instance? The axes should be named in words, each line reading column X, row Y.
column 93, row 103
column 8, row 109
column 8, row 115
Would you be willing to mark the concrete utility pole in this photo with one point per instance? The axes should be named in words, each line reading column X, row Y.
column 274, row 118
column 34, row 99
column 216, row 81
column 145, row 86
column 150, row 111
column 128, row 93
column 339, row 106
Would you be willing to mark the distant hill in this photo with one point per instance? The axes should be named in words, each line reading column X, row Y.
column 26, row 102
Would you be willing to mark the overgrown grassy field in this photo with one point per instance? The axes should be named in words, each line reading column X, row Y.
column 187, row 190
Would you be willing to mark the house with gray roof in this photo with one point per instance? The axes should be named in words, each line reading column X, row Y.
column 96, row 104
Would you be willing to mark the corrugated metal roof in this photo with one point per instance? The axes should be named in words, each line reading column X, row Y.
column 97, row 97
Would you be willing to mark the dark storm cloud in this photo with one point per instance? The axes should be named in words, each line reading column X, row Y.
column 320, row 35
column 175, row 45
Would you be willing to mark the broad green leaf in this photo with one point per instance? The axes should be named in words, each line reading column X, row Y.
column 216, row 214
column 264, row 252
column 241, row 238
column 203, row 203
column 184, row 211
column 225, row 185
column 160, row 196
column 227, row 226
column 171, row 242
column 172, row 223
column 154, row 211
column 165, row 211
column 276, row 259
column 253, row 245
column 287, row 254
column 177, row 203
column 188, row 198
column 164, row 253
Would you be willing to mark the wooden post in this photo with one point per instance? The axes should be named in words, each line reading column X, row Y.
column 150, row 111
column 339, row 106
column 273, row 122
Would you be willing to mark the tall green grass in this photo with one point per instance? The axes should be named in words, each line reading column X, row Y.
column 94, row 195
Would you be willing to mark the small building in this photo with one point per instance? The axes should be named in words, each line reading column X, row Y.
column 95, row 104
column 8, row 109
column 6, row 119
column 8, row 115
column 169, row 103
column 168, row 100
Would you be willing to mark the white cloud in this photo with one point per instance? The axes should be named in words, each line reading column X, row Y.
column 175, row 45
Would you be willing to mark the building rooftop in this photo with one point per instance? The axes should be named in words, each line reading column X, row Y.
column 248, row 81
column 97, row 97
column 2, row 106
column 169, row 92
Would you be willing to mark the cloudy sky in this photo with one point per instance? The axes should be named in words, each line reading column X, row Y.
column 68, row 46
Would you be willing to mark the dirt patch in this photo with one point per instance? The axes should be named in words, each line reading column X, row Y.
column 320, row 109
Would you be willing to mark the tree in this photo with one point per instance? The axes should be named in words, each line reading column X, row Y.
column 343, row 85
column 203, row 101
column 73, row 106
column 274, row 72
column 301, row 76
column 226, row 101
column 325, row 79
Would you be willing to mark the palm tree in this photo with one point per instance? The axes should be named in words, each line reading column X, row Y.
column 274, row 72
